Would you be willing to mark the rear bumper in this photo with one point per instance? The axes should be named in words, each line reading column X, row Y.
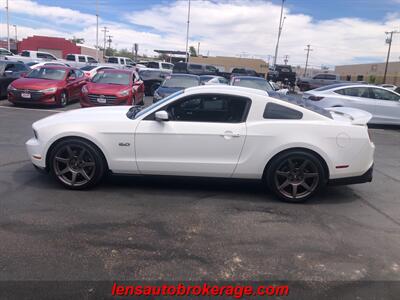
column 366, row 177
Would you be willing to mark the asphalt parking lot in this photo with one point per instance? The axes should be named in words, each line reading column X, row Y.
column 136, row 228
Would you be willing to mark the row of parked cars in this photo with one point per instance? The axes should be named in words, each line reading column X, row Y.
column 57, row 85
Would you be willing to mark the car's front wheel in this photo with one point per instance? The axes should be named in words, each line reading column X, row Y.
column 76, row 163
column 295, row 176
column 63, row 99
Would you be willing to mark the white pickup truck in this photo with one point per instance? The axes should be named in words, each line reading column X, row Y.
column 30, row 56
column 158, row 65
column 80, row 60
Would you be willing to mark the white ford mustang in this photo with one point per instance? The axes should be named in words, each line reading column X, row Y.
column 214, row 131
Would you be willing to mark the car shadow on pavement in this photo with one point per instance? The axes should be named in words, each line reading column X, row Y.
column 173, row 186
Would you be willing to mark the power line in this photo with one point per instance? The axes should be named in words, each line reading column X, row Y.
column 308, row 49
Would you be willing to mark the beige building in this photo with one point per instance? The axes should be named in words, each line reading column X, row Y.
column 372, row 73
column 226, row 63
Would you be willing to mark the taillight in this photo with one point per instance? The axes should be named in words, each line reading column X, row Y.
column 315, row 98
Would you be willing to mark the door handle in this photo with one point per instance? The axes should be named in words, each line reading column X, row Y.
column 229, row 134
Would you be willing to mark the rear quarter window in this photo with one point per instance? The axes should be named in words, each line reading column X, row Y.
column 280, row 112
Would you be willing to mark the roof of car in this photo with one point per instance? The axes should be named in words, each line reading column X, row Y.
column 58, row 67
column 249, row 77
column 184, row 75
column 117, row 71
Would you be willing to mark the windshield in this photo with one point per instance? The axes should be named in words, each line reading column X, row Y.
column 47, row 73
column 154, row 105
column 181, row 82
column 112, row 78
column 258, row 84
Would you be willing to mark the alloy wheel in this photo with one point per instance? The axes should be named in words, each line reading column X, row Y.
column 63, row 100
column 296, row 177
column 74, row 165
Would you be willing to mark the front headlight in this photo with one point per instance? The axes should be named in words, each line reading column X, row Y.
column 49, row 90
column 84, row 89
column 11, row 88
column 124, row 93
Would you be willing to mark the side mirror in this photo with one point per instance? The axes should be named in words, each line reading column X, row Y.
column 71, row 78
column 22, row 75
column 162, row 115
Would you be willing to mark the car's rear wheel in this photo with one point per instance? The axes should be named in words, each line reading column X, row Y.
column 295, row 176
column 63, row 99
column 77, row 164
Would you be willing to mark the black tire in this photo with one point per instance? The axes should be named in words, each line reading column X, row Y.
column 295, row 176
column 63, row 99
column 77, row 164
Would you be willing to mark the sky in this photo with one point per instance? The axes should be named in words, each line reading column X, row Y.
column 339, row 31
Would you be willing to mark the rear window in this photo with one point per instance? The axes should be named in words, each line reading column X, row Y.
column 195, row 67
column 301, row 102
column 280, row 112
column 113, row 60
column 70, row 57
column 91, row 60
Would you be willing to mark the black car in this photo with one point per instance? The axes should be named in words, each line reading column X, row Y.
column 152, row 79
column 195, row 69
column 10, row 71
column 243, row 72
column 282, row 73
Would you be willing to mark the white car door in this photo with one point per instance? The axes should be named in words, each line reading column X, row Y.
column 204, row 136
column 387, row 108
column 357, row 97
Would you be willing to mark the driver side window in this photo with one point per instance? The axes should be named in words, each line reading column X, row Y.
column 210, row 108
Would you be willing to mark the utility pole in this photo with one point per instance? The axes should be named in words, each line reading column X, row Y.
column 97, row 30
column 16, row 36
column 8, row 27
column 105, row 30
column 308, row 49
column 187, row 33
column 279, row 33
column 109, row 41
column 388, row 41
column 198, row 49
column 286, row 59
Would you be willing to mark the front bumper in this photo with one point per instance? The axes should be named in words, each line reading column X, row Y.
column 92, row 100
column 366, row 177
column 36, row 98
column 35, row 150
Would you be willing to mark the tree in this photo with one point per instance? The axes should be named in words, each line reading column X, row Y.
column 192, row 51
column 76, row 40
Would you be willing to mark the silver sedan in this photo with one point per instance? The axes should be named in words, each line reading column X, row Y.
column 383, row 104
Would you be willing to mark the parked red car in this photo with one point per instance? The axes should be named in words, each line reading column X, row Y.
column 113, row 87
column 48, row 85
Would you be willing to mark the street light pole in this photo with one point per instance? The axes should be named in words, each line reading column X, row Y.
column 187, row 33
column 8, row 27
column 279, row 33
